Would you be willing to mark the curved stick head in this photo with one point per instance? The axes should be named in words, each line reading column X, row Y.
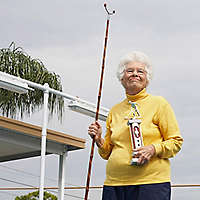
column 109, row 13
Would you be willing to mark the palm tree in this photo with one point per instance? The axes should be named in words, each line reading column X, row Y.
column 15, row 61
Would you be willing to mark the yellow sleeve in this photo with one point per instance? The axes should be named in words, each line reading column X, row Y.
column 106, row 149
column 172, row 140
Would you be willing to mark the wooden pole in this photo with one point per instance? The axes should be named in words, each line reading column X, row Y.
column 98, row 101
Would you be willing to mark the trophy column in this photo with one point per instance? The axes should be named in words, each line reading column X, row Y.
column 135, row 131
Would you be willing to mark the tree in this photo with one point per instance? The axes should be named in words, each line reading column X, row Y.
column 35, row 196
column 15, row 61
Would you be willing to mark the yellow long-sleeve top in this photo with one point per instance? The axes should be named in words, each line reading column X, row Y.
column 159, row 127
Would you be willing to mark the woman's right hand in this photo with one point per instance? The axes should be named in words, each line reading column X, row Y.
column 95, row 131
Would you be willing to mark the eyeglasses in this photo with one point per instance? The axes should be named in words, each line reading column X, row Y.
column 138, row 71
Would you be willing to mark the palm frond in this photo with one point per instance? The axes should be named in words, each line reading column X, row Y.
column 14, row 61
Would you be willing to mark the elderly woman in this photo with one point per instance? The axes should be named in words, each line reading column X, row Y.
column 151, row 118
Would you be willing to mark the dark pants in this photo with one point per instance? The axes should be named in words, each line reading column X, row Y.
column 158, row 191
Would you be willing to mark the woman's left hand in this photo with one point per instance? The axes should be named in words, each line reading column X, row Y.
column 144, row 154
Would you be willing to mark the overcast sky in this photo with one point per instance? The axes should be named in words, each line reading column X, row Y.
column 68, row 37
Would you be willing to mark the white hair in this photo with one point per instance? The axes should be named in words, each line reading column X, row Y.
column 134, row 56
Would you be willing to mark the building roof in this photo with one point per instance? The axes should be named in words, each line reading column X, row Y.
column 23, row 140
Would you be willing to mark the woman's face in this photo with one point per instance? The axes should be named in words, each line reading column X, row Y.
column 135, row 77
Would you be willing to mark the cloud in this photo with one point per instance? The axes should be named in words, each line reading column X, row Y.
column 68, row 36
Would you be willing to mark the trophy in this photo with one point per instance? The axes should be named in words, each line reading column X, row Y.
column 135, row 132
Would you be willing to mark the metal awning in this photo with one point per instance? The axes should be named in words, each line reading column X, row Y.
column 22, row 140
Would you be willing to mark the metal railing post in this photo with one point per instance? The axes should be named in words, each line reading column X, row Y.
column 43, row 143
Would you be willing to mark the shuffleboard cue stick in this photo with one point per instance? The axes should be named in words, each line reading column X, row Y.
column 98, row 101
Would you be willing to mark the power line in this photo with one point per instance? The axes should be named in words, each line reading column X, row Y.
column 16, row 182
column 31, row 174
column 35, row 176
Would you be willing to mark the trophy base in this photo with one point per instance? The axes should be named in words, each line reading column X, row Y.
column 134, row 161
